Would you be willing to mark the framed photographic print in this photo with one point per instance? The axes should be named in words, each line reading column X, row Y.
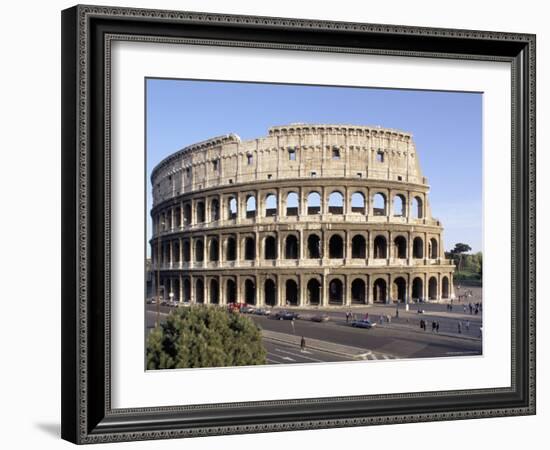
column 283, row 224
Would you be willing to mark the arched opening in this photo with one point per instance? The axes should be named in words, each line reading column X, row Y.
column 313, row 203
column 214, row 250
column 380, row 247
column 186, row 290
column 178, row 217
column 250, row 206
column 186, row 251
column 418, row 248
column 336, row 247
column 358, row 291
column 199, row 250
column 291, row 247
column 201, row 215
column 445, row 287
column 399, row 203
column 231, row 208
column 313, row 292
column 291, row 293
column 400, row 244
column 271, row 205
column 336, row 292
column 313, row 246
column 399, row 289
column 270, row 248
column 231, row 249
column 434, row 251
column 230, row 291
column 199, row 291
column 186, row 214
column 176, row 252
column 379, row 291
column 249, row 248
column 358, row 247
column 270, row 292
column 432, row 288
column 418, row 289
column 336, row 203
column 358, row 203
column 417, row 210
column 214, row 292
column 215, row 210
column 249, row 292
column 379, row 204
column 292, row 204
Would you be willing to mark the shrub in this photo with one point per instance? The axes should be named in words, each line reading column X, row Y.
column 204, row 336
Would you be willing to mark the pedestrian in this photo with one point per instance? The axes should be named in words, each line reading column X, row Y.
column 467, row 325
column 388, row 318
column 421, row 324
column 396, row 312
column 347, row 317
column 381, row 319
column 477, row 310
column 366, row 316
column 459, row 327
column 437, row 326
column 464, row 309
column 303, row 344
column 433, row 326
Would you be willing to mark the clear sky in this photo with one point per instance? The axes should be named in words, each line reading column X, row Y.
column 446, row 127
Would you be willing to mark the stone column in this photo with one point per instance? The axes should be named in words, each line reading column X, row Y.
column 256, row 248
column 171, row 253
column 347, row 290
column 191, row 252
column 389, row 289
column 324, row 297
column 280, row 288
column 221, row 291
column 180, row 242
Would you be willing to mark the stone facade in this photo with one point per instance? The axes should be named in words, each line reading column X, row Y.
column 310, row 215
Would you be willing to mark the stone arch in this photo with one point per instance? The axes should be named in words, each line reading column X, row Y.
column 230, row 291
column 232, row 207
column 270, row 292
column 358, row 247
column 358, row 202
column 249, row 291
column 199, row 250
column 187, row 214
column 336, row 203
column 231, row 249
column 432, row 288
column 380, row 247
column 418, row 248
column 399, row 289
column 336, row 294
column 418, row 288
column 270, row 205
column 434, row 249
column 445, row 287
column 400, row 246
column 214, row 289
column 358, row 290
column 214, row 210
column 292, row 204
column 186, row 290
column 380, row 293
column 201, row 212
column 250, row 205
column 336, row 247
column 249, row 248
column 199, row 291
column 314, row 294
column 417, row 209
column 399, row 206
column 379, row 204
column 186, row 250
column 314, row 246
column 214, row 250
column 291, row 292
column 314, row 203
column 270, row 247
column 292, row 247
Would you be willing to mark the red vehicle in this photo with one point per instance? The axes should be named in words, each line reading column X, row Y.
column 235, row 307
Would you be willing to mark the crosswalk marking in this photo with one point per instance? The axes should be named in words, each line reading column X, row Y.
column 288, row 358
column 298, row 355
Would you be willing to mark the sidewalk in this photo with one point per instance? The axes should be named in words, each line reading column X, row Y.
column 415, row 329
column 316, row 344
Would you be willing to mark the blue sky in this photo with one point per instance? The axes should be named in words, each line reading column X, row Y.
column 446, row 127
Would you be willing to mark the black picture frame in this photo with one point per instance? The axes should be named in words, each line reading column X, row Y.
column 87, row 416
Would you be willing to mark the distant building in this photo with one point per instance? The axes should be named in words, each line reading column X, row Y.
column 310, row 215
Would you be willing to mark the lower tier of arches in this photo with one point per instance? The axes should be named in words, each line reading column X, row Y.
column 304, row 289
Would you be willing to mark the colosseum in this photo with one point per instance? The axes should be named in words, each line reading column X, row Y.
column 307, row 216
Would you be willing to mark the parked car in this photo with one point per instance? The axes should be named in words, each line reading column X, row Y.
column 262, row 312
column 286, row 315
column 320, row 318
column 363, row 323
column 247, row 309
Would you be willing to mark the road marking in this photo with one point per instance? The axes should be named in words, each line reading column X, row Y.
column 287, row 358
column 299, row 355
column 272, row 361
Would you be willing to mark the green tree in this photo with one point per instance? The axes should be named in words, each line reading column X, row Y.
column 203, row 336
column 457, row 254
